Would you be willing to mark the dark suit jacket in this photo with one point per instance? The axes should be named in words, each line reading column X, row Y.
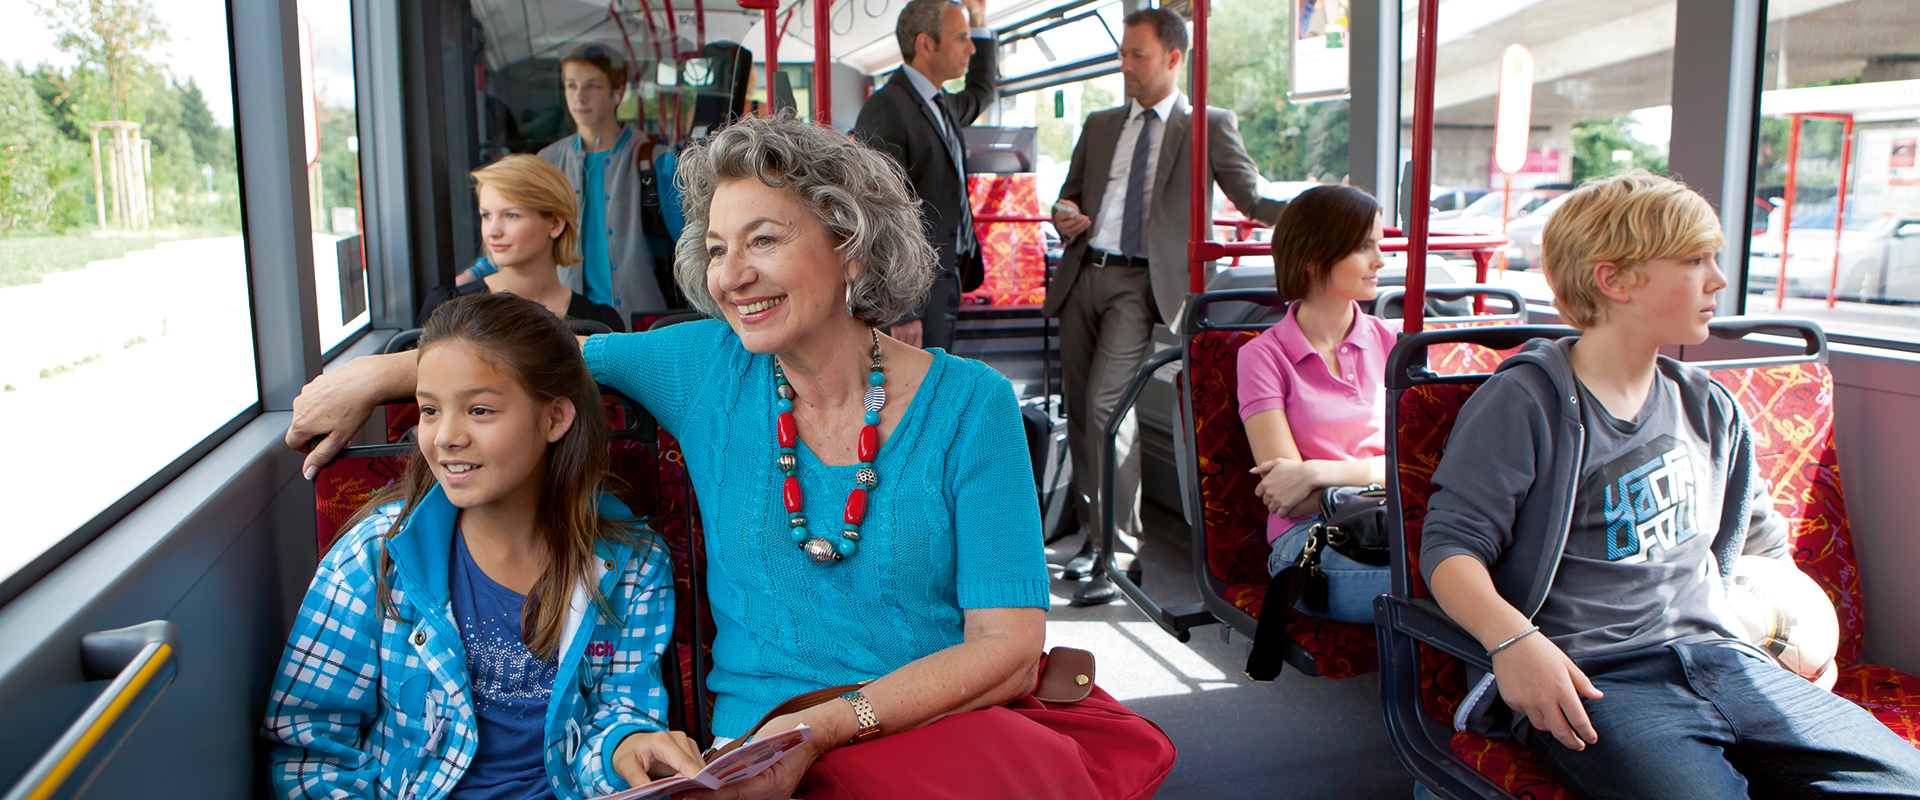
column 1168, row 222
column 897, row 122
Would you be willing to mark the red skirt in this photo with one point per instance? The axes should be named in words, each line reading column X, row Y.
column 1091, row 750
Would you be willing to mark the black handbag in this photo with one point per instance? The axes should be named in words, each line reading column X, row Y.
column 1353, row 522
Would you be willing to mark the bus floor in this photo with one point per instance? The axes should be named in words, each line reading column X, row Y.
column 1297, row 737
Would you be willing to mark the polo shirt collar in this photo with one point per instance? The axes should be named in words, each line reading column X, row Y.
column 1293, row 342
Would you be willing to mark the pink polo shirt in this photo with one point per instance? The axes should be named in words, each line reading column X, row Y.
column 1333, row 417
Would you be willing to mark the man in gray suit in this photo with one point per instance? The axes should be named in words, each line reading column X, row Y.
column 1124, row 215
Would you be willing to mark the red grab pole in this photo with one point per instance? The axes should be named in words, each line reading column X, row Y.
column 1417, row 223
column 822, row 61
column 1840, row 211
column 1200, row 202
column 1786, row 218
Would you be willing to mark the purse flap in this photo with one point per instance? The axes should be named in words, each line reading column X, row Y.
column 1067, row 677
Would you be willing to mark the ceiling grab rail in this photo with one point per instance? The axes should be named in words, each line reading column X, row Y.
column 140, row 660
column 1417, row 218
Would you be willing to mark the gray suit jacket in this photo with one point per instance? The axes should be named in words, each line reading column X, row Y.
column 1167, row 219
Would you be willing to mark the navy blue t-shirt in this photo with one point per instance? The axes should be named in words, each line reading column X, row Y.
column 511, row 687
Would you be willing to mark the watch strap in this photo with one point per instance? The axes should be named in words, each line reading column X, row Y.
column 863, row 709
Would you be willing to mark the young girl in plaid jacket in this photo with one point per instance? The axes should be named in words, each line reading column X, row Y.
column 491, row 626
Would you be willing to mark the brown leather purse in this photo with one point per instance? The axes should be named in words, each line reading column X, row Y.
column 1066, row 677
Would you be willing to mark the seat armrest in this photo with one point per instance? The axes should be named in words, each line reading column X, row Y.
column 1422, row 620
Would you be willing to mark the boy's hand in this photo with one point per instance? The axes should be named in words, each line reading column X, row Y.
column 642, row 757
column 1538, row 680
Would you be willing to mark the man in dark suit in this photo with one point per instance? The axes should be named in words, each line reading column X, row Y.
column 1124, row 215
column 911, row 119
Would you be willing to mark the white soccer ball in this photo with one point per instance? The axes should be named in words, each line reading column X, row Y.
column 1787, row 615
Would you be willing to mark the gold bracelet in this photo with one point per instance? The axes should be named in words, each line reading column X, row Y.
column 863, row 710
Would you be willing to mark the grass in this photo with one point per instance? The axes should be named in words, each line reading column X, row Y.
column 23, row 259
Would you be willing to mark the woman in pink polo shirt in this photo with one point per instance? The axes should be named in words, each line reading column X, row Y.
column 1311, row 388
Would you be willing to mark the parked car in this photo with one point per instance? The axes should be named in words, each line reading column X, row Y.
column 1454, row 198
column 1879, row 258
column 1483, row 215
column 1523, row 234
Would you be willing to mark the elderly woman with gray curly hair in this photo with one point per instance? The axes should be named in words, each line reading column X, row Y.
column 869, row 507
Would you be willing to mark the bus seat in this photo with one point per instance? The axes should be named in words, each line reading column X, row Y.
column 1228, row 534
column 1015, row 252
column 648, row 463
column 1459, row 358
column 404, row 415
column 1789, row 405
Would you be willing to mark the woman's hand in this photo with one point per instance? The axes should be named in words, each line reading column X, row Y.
column 782, row 780
column 1537, row 679
column 642, row 757
column 336, row 404
column 1285, row 482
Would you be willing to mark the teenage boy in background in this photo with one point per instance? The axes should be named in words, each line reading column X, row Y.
column 1624, row 482
column 606, row 160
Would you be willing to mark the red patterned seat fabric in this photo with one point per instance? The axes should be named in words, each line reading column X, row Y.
column 1234, row 521
column 1790, row 409
column 1015, row 252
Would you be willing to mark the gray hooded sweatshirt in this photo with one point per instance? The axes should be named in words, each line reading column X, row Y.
column 1505, row 491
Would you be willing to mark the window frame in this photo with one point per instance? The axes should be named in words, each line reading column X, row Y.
column 276, row 229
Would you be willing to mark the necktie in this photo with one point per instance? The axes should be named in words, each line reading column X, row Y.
column 965, row 242
column 1133, row 217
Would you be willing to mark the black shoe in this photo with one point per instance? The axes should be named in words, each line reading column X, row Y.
column 1101, row 591
column 1081, row 565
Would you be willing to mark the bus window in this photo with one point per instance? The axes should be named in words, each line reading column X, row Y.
column 123, row 272
column 1057, row 133
column 333, row 169
column 1601, row 106
column 1827, row 68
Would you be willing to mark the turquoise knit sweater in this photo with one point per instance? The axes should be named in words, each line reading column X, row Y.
column 953, row 524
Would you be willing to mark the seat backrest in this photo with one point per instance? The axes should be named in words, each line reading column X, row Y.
column 1788, row 404
column 1789, row 408
column 1015, row 252
column 1232, row 520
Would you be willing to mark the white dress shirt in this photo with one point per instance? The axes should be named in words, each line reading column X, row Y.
column 1113, row 204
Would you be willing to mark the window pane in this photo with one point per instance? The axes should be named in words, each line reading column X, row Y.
column 123, row 274
column 1058, row 114
column 1826, row 64
column 1601, row 91
column 333, row 168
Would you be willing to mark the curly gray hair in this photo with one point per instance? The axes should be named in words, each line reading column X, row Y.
column 858, row 193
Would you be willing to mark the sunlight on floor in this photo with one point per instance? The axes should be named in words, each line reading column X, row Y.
column 1138, row 659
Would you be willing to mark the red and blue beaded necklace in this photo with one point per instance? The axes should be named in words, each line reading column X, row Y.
column 818, row 547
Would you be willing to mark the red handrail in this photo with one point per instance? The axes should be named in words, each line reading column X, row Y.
column 1213, row 251
column 1424, row 63
column 822, row 66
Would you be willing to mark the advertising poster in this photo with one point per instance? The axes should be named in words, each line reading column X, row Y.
column 1319, row 49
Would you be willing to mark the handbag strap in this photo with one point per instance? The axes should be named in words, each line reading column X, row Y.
column 1065, row 677
column 1269, row 652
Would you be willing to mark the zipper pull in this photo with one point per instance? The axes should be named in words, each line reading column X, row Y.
column 433, row 739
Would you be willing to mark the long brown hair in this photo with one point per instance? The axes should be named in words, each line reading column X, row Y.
column 1319, row 227
column 530, row 344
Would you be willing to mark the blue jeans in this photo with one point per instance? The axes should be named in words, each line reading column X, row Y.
column 1717, row 721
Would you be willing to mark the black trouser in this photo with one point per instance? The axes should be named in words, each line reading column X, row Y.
column 943, row 312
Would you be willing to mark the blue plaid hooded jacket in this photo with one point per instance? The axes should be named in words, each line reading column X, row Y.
column 366, row 706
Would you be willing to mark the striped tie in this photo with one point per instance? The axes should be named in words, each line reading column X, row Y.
column 1134, row 215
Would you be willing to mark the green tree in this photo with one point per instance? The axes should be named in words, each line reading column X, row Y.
column 1250, row 74
column 1596, row 140
column 42, row 173
column 113, row 38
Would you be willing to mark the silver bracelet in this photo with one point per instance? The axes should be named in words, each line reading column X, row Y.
column 1509, row 643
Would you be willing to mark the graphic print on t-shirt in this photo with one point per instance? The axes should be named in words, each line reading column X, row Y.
column 1639, row 504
